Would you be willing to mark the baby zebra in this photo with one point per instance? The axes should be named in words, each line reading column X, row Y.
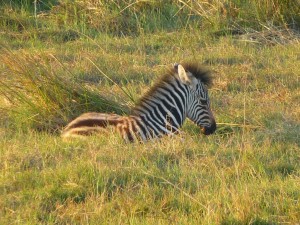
column 181, row 93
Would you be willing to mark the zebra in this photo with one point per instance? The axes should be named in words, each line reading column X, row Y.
column 181, row 93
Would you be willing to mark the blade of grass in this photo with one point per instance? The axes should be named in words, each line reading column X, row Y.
column 107, row 77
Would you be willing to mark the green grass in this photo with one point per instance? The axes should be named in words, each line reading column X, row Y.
column 55, row 66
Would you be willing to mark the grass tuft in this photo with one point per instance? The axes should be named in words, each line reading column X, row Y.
column 40, row 98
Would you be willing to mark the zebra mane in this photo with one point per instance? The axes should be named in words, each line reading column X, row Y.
column 196, row 69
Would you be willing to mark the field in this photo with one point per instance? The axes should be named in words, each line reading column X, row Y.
column 59, row 59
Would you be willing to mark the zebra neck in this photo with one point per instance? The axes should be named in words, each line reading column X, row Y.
column 164, row 110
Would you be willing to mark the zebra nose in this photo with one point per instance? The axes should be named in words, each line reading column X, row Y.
column 209, row 130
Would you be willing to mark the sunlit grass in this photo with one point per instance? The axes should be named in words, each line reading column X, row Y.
column 98, row 180
column 246, row 173
column 39, row 96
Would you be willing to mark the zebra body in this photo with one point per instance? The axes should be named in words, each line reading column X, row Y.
column 180, row 94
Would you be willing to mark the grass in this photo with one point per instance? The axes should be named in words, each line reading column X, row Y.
column 55, row 66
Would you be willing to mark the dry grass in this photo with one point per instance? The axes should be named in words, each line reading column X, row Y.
column 37, row 95
column 247, row 173
column 271, row 36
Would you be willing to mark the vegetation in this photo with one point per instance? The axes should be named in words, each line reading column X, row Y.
column 61, row 58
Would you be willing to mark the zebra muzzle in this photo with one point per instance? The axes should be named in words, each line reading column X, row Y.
column 209, row 130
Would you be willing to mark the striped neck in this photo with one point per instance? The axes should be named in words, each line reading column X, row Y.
column 163, row 110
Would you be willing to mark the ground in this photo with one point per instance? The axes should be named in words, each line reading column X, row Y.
column 246, row 173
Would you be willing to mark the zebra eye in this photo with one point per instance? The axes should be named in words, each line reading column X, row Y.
column 203, row 101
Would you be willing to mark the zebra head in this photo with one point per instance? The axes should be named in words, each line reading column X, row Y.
column 198, row 105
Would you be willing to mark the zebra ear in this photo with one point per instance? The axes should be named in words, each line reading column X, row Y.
column 186, row 77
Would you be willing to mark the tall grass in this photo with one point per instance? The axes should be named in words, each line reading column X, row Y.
column 44, row 98
column 133, row 17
